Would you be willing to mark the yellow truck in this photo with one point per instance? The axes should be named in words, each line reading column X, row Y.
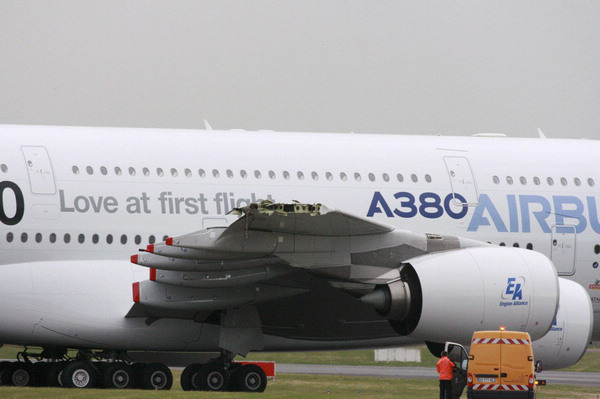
column 500, row 365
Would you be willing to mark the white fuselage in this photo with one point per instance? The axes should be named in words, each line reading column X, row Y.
column 99, row 194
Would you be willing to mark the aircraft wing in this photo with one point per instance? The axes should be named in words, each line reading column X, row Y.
column 247, row 263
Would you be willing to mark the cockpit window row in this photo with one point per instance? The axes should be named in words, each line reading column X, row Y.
column 563, row 181
column 256, row 174
column 80, row 238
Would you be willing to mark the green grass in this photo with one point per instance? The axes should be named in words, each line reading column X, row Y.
column 296, row 386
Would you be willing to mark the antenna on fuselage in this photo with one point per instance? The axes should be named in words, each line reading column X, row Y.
column 207, row 125
column 541, row 134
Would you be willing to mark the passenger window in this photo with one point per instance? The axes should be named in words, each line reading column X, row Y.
column 24, row 237
column 109, row 239
column 4, row 168
column 272, row 175
column 243, row 174
column 563, row 181
column 103, row 170
column 81, row 238
column 315, row 175
column 229, row 173
column 371, row 177
column 343, row 176
column 591, row 182
column 536, row 181
column 523, row 180
column 286, row 175
column 509, row 180
column 530, row 246
column 138, row 239
column 9, row 237
column 414, row 178
column 386, row 177
column 160, row 172
column 328, row 176
column 151, row 239
column 67, row 238
column 496, row 180
column 123, row 239
column 201, row 173
column 216, row 173
column 118, row 171
column 132, row 171
column 38, row 237
column 400, row 177
column 75, row 170
column 428, row 178
column 146, row 172
column 300, row 175
column 52, row 238
column 95, row 238
column 550, row 181
column 188, row 173
column 257, row 174
column 90, row 170
column 174, row 172
column 357, row 176
column 516, row 245
column 577, row 181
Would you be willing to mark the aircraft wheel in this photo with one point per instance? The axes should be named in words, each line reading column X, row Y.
column 188, row 377
column 157, row 376
column 53, row 374
column 3, row 365
column 39, row 370
column 212, row 377
column 251, row 378
column 118, row 376
column 79, row 374
column 17, row 374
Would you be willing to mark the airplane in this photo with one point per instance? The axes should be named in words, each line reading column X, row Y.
column 158, row 242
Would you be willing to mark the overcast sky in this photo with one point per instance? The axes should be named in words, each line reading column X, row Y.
column 426, row 67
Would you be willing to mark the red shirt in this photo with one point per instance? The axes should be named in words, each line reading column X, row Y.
column 444, row 367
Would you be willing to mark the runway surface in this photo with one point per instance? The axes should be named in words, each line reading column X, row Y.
column 552, row 377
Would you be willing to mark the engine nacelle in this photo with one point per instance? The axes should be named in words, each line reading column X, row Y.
column 446, row 296
column 571, row 331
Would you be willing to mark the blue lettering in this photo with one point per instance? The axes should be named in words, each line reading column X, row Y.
column 513, row 217
column 410, row 204
column 374, row 207
column 594, row 222
column 540, row 215
column 562, row 213
column 463, row 208
column 485, row 204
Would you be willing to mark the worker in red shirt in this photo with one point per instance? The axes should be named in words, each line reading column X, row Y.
column 444, row 368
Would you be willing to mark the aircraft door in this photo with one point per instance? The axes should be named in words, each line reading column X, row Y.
column 462, row 181
column 39, row 168
column 563, row 249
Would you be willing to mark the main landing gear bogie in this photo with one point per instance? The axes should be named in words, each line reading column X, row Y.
column 114, row 372
column 220, row 376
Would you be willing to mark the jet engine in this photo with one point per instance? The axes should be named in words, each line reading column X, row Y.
column 446, row 296
column 570, row 332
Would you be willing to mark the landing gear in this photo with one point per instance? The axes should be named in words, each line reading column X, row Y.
column 156, row 376
column 222, row 374
column 79, row 374
column 250, row 378
column 88, row 369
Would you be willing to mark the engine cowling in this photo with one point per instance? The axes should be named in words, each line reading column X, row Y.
column 567, row 339
column 446, row 296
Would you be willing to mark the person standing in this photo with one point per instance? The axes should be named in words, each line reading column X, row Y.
column 444, row 368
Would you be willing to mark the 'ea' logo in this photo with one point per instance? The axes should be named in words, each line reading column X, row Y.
column 514, row 288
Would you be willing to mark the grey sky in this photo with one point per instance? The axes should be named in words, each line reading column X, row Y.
column 448, row 67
